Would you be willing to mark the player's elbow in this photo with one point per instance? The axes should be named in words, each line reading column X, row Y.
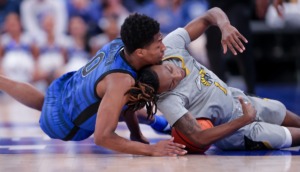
column 101, row 139
column 201, row 142
column 214, row 10
column 201, row 138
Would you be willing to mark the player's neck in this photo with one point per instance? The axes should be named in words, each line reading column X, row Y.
column 133, row 60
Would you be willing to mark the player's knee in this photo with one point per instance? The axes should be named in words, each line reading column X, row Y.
column 275, row 108
column 278, row 106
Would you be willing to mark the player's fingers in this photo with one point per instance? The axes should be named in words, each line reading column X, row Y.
column 243, row 102
column 177, row 152
column 231, row 48
column 247, row 106
column 235, row 44
column 238, row 41
column 181, row 152
column 175, row 148
column 242, row 37
column 172, row 143
column 178, row 145
column 224, row 47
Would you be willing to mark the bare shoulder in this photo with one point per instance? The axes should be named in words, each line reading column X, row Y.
column 122, row 78
column 114, row 82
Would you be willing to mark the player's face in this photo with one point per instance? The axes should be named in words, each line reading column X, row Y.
column 169, row 76
column 155, row 51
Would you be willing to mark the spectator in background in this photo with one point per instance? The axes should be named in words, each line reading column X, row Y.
column 111, row 30
column 114, row 7
column 89, row 10
column 6, row 7
column 133, row 5
column 17, row 50
column 113, row 15
column 77, row 47
column 190, row 9
column 288, row 16
column 63, row 53
column 161, row 10
column 193, row 8
column 52, row 51
column 32, row 12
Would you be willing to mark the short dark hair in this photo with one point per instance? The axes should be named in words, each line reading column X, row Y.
column 138, row 31
column 144, row 93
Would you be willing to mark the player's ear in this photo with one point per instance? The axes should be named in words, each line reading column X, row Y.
column 139, row 52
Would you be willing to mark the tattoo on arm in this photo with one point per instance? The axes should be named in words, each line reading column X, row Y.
column 187, row 124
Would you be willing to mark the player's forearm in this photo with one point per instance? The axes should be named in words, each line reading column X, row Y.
column 214, row 16
column 119, row 144
column 188, row 126
column 211, row 135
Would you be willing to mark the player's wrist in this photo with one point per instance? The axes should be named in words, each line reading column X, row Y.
column 246, row 119
column 224, row 25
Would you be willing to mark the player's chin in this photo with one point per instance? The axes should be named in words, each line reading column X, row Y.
column 159, row 62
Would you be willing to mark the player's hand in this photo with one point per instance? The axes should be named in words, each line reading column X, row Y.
column 232, row 39
column 248, row 110
column 140, row 138
column 278, row 4
column 168, row 148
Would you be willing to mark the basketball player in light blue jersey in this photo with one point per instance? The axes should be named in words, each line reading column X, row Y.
column 92, row 99
column 188, row 90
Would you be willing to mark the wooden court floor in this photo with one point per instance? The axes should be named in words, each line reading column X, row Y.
column 24, row 147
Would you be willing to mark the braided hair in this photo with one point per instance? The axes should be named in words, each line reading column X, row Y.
column 144, row 93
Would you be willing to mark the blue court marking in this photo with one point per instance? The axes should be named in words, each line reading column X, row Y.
column 17, row 125
column 215, row 151
column 52, row 146
column 288, row 94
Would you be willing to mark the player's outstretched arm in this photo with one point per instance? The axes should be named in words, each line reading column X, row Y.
column 231, row 37
column 188, row 126
column 108, row 114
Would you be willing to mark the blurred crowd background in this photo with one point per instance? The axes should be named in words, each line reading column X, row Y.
column 41, row 39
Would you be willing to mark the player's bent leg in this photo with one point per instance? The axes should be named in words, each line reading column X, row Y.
column 257, row 136
column 160, row 124
column 143, row 117
column 22, row 92
column 156, row 122
column 291, row 120
column 263, row 135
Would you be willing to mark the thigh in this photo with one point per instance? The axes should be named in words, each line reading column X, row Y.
column 268, row 110
column 57, row 126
